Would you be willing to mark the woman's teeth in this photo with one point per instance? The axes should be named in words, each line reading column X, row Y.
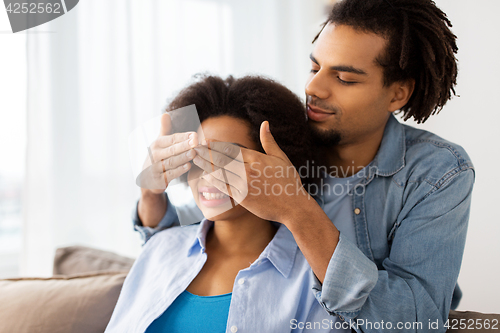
column 213, row 196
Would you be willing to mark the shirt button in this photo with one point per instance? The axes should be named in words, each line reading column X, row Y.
column 341, row 318
column 234, row 329
column 240, row 281
column 357, row 211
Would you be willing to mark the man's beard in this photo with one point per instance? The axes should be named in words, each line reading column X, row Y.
column 325, row 138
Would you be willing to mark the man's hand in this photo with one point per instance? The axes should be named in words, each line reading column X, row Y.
column 268, row 185
column 169, row 157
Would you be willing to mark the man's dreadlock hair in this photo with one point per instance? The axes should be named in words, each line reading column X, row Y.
column 420, row 46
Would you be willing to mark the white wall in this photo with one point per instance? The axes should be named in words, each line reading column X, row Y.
column 471, row 120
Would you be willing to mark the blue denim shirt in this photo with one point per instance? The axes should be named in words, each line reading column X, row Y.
column 410, row 214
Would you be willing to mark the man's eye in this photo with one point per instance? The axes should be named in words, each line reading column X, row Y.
column 347, row 83
column 314, row 70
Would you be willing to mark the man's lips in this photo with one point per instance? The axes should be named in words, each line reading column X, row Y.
column 318, row 110
column 317, row 114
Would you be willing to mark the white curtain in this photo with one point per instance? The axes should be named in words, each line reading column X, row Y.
column 104, row 68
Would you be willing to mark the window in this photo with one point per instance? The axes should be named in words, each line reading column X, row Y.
column 12, row 144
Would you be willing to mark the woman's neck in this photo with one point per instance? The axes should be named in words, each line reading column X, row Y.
column 244, row 235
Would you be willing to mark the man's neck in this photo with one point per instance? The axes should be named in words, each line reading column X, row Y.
column 345, row 160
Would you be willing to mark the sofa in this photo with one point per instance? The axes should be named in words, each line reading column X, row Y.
column 81, row 295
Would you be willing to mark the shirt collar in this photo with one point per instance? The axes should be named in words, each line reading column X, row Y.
column 280, row 251
column 390, row 157
column 199, row 243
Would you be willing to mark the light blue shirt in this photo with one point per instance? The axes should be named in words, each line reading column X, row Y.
column 272, row 295
column 410, row 214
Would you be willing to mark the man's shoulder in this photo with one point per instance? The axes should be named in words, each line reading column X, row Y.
column 427, row 142
column 431, row 158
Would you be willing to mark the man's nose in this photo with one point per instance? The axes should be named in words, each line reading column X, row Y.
column 317, row 86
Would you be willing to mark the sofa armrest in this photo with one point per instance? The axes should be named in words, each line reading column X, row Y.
column 60, row 304
column 469, row 321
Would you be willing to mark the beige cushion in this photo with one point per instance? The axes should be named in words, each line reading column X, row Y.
column 472, row 320
column 80, row 259
column 76, row 304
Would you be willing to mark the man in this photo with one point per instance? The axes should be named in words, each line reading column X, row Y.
column 390, row 259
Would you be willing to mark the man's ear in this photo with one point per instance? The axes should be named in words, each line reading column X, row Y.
column 401, row 93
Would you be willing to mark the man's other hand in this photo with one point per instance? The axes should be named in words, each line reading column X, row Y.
column 169, row 157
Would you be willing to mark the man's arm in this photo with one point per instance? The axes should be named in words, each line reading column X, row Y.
column 416, row 284
column 173, row 216
column 167, row 220
column 151, row 208
column 168, row 159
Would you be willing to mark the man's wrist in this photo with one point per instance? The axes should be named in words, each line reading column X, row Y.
column 151, row 208
column 303, row 209
column 148, row 194
column 315, row 234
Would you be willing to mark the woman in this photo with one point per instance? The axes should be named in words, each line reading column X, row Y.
column 235, row 272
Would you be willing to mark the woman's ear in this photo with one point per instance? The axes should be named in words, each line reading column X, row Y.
column 402, row 92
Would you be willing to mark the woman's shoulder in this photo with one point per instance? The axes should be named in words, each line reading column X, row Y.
column 173, row 237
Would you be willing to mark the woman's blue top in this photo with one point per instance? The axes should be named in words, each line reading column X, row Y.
column 193, row 314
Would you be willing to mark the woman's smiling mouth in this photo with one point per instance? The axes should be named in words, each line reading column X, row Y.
column 212, row 197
